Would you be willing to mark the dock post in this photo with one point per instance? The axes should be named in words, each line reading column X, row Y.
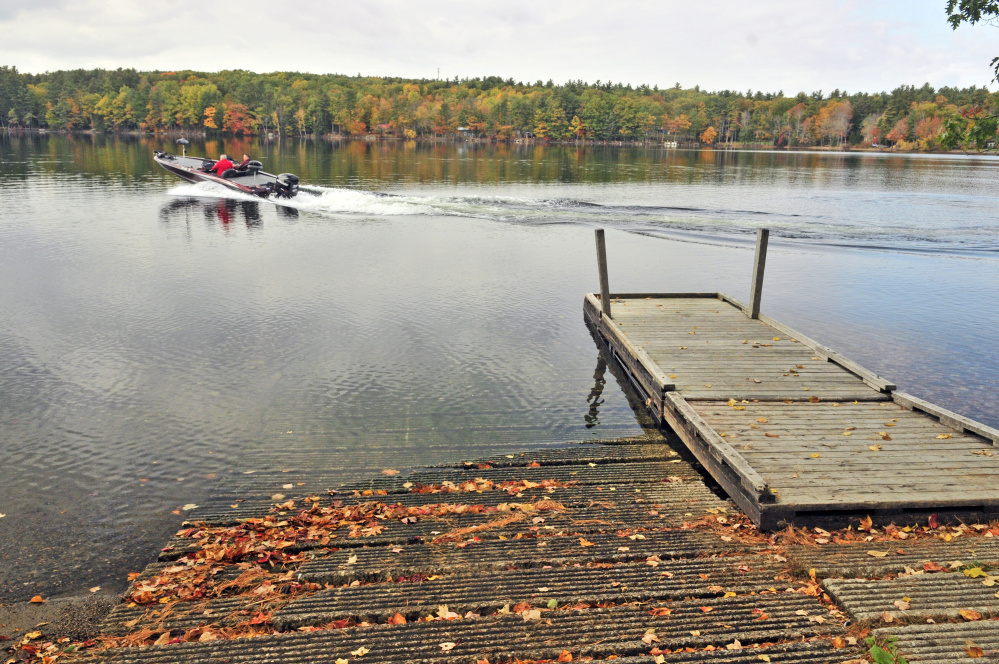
column 762, row 237
column 602, row 266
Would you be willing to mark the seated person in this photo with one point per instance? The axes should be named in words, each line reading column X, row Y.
column 222, row 165
column 243, row 164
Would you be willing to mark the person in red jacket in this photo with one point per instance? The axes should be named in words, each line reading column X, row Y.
column 222, row 165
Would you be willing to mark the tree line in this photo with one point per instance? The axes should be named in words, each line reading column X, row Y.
column 285, row 103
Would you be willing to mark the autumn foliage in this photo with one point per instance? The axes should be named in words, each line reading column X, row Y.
column 240, row 102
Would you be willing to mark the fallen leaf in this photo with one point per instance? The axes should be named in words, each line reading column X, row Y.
column 974, row 652
column 583, row 542
column 815, row 455
column 533, row 614
column 934, row 521
column 887, row 617
column 37, row 599
column 707, row 609
column 564, row 656
column 877, row 554
column 763, row 658
column 95, row 589
column 447, row 646
column 813, row 399
column 974, row 572
column 390, row 472
column 397, row 619
column 188, row 507
column 360, row 652
column 838, row 642
column 762, row 420
column 771, row 435
column 902, row 605
column 944, row 436
column 968, row 614
column 874, row 448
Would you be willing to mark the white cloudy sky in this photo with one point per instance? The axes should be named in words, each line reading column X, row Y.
column 791, row 45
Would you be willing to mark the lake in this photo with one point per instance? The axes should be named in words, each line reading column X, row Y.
column 418, row 304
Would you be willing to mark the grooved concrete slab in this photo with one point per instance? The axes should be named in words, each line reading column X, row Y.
column 223, row 511
column 929, row 596
column 488, row 593
column 853, row 560
column 595, row 633
column 387, row 563
column 946, row 643
column 598, row 518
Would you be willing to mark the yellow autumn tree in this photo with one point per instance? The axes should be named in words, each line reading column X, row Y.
column 709, row 135
column 210, row 118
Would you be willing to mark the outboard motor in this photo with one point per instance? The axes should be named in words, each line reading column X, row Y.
column 286, row 185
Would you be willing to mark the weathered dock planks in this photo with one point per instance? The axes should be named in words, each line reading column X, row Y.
column 794, row 431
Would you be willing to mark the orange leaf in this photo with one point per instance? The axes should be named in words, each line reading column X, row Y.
column 583, row 542
column 397, row 619
column 37, row 599
column 968, row 614
column 974, row 652
column 564, row 656
column 390, row 471
column 534, row 464
column 707, row 609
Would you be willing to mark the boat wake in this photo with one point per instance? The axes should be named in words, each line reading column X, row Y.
column 801, row 223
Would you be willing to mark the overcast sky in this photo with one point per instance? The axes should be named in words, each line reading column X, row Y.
column 789, row 45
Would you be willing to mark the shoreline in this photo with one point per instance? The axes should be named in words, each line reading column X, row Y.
column 454, row 140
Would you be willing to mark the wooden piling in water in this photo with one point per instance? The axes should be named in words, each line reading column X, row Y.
column 605, row 305
column 762, row 238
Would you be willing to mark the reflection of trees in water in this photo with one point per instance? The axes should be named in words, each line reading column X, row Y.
column 128, row 159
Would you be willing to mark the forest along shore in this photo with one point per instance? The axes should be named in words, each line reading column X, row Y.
column 244, row 103
column 605, row 550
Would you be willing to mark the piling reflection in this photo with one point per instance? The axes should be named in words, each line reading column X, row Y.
column 592, row 418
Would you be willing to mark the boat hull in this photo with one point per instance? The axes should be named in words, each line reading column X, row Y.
column 253, row 182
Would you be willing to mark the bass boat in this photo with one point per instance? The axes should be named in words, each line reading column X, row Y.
column 250, row 180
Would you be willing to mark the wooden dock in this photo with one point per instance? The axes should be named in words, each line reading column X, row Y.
column 793, row 431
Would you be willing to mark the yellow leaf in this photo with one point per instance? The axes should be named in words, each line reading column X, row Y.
column 583, row 542
column 672, row 375
column 968, row 614
column 874, row 448
column 877, row 554
column 816, row 455
column 776, row 338
column 739, row 407
column 763, row 658
column 847, row 433
column 728, row 594
column 974, row 652
column 945, row 435
column 761, row 420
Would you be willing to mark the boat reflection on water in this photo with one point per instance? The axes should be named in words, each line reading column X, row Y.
column 225, row 211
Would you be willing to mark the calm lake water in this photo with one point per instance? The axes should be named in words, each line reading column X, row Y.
column 418, row 305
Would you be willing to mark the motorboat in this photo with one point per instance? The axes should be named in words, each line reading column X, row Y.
column 251, row 179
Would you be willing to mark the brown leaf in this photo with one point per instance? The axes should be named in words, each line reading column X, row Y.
column 390, row 472
column 813, row 399
column 397, row 619
column 771, row 435
column 974, row 652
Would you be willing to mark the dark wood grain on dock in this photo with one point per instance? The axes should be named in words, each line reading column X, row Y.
column 791, row 429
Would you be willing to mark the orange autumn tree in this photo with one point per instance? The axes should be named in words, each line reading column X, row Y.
column 709, row 135
column 210, row 118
